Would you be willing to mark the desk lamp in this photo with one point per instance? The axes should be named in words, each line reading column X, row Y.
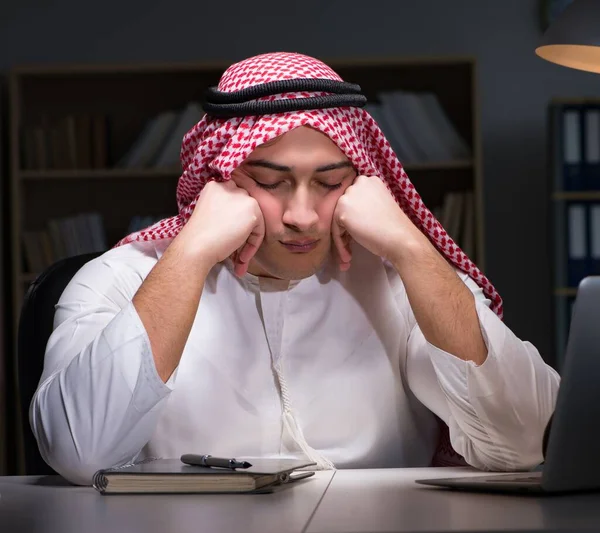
column 573, row 39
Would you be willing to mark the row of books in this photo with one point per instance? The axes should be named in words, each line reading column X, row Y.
column 69, row 236
column 75, row 141
column 63, row 237
column 579, row 144
column 158, row 145
column 583, row 241
column 416, row 125
column 457, row 216
column 418, row 128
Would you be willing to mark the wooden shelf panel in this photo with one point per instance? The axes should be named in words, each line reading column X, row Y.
column 158, row 68
column 442, row 165
column 127, row 173
column 576, row 101
column 576, row 195
column 112, row 173
column 565, row 291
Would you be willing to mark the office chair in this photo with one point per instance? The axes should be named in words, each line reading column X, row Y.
column 35, row 327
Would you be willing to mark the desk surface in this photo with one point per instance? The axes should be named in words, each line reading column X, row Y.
column 36, row 504
column 347, row 501
column 389, row 500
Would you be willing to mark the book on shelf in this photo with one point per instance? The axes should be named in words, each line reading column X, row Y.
column 75, row 141
column 158, row 145
column 63, row 237
column 582, row 241
column 415, row 124
column 456, row 214
column 578, row 128
column 147, row 144
column 79, row 141
column 575, row 148
column 68, row 236
column 418, row 128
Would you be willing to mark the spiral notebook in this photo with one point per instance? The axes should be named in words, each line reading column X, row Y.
column 161, row 476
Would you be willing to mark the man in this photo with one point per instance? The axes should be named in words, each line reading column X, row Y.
column 304, row 301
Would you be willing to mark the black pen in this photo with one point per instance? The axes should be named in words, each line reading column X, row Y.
column 217, row 462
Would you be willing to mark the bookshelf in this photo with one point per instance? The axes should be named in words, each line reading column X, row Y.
column 574, row 149
column 115, row 103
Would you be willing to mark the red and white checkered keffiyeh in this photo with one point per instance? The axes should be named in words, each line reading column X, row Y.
column 216, row 146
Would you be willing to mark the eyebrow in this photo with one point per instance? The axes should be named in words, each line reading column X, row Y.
column 283, row 168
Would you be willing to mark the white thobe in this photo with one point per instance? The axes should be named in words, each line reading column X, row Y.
column 340, row 354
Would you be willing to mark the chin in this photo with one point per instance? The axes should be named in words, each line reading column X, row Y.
column 286, row 267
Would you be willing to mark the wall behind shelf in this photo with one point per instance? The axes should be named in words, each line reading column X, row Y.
column 515, row 87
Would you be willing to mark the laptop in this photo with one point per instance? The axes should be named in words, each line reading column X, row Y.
column 571, row 443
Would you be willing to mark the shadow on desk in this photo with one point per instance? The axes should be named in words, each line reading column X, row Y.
column 50, row 504
column 52, row 481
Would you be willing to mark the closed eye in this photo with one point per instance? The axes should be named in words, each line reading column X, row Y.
column 330, row 187
column 272, row 186
column 268, row 186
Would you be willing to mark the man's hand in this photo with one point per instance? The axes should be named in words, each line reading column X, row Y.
column 226, row 222
column 442, row 304
column 369, row 214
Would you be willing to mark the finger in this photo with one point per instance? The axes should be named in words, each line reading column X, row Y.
column 249, row 249
column 347, row 240
column 247, row 252
column 341, row 245
column 240, row 269
column 344, row 266
column 347, row 243
column 251, row 246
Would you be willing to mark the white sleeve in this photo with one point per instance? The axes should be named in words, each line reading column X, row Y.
column 99, row 396
column 496, row 412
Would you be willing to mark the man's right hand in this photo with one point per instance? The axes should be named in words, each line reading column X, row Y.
column 226, row 221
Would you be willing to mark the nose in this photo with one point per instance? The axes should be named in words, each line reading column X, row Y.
column 300, row 213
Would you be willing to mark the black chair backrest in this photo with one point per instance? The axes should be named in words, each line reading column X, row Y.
column 35, row 326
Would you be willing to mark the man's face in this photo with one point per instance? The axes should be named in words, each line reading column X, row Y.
column 297, row 180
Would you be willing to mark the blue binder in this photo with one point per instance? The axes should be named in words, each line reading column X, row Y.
column 572, row 133
column 590, row 141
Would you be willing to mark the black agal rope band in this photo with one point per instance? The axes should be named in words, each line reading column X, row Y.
column 214, row 96
column 243, row 103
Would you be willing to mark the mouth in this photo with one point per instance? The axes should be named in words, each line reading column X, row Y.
column 300, row 247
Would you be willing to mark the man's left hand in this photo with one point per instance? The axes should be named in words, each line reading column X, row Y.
column 368, row 213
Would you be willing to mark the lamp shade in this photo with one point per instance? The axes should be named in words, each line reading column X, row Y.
column 573, row 39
